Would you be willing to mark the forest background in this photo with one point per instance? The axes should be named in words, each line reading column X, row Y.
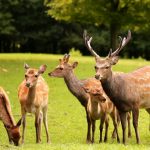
column 56, row 26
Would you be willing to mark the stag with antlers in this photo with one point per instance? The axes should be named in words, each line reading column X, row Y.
column 128, row 91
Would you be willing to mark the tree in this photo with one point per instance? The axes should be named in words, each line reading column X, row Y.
column 116, row 14
column 6, row 23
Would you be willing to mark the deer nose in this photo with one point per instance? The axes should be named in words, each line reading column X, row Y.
column 50, row 74
column 97, row 76
column 28, row 84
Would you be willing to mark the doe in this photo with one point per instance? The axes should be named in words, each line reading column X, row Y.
column 6, row 116
column 33, row 97
column 66, row 70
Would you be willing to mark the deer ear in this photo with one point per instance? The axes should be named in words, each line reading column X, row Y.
column 19, row 122
column 75, row 64
column 42, row 69
column 114, row 60
column 26, row 66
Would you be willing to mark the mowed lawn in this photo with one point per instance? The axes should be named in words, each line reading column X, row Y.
column 66, row 116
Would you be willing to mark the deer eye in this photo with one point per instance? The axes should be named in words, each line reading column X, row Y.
column 96, row 68
column 25, row 76
column 106, row 67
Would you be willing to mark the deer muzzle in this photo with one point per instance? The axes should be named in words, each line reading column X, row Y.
column 28, row 84
column 50, row 74
column 98, row 77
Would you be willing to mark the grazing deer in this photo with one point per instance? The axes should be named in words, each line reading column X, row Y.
column 128, row 91
column 65, row 70
column 33, row 97
column 99, row 106
column 6, row 116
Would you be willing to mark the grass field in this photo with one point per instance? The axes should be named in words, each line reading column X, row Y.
column 66, row 117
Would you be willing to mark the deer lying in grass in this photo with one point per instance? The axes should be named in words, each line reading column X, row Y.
column 33, row 97
column 128, row 91
column 65, row 70
column 6, row 116
column 99, row 106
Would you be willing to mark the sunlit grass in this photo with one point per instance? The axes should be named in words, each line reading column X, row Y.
column 66, row 116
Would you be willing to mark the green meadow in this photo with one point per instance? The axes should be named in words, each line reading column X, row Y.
column 66, row 116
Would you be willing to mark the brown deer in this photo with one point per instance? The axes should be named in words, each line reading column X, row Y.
column 65, row 70
column 6, row 116
column 128, row 91
column 33, row 97
column 99, row 106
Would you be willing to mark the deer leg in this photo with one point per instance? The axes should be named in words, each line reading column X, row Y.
column 123, row 124
column 88, row 139
column 23, row 125
column 93, row 130
column 40, row 125
column 135, row 113
column 101, row 127
column 129, row 124
column 106, row 128
column 118, row 122
column 10, row 140
column 45, row 123
column 148, row 110
column 114, row 117
column 37, row 127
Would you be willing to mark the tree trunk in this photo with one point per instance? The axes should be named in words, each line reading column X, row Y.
column 114, row 24
column 113, row 35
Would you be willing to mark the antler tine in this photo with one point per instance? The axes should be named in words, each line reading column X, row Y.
column 87, row 41
column 67, row 58
column 122, row 44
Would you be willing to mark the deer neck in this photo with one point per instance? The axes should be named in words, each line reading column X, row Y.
column 73, row 84
column 108, row 84
column 5, row 114
column 31, row 94
column 94, row 109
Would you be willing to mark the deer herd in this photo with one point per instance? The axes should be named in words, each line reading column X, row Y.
column 114, row 94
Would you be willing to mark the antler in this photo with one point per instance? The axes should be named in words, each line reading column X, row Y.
column 66, row 58
column 122, row 44
column 87, row 41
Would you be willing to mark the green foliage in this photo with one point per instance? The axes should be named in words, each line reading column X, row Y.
column 74, row 52
column 118, row 14
column 66, row 116
column 6, row 17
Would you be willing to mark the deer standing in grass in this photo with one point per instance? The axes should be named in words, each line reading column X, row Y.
column 65, row 70
column 99, row 106
column 128, row 91
column 33, row 97
column 6, row 116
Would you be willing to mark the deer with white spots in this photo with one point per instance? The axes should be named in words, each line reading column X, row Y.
column 128, row 91
column 33, row 97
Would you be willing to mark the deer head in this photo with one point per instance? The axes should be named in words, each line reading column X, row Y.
column 63, row 68
column 103, row 65
column 14, row 132
column 95, row 91
column 31, row 75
